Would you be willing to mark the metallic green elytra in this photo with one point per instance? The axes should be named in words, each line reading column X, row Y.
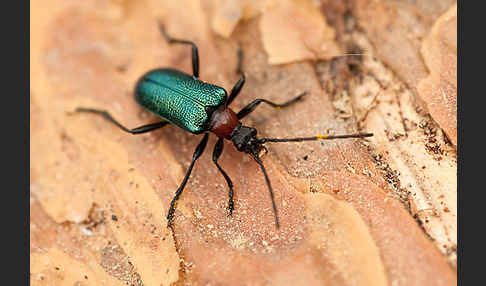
column 179, row 98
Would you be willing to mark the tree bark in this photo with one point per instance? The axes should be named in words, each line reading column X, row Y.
column 375, row 211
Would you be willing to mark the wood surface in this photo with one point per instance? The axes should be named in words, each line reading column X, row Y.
column 375, row 211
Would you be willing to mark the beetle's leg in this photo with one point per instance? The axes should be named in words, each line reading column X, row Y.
column 195, row 54
column 138, row 130
column 250, row 107
column 197, row 153
column 218, row 149
column 237, row 88
column 239, row 54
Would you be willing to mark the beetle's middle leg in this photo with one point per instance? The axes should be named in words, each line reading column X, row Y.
column 239, row 85
column 195, row 54
column 197, row 153
column 218, row 149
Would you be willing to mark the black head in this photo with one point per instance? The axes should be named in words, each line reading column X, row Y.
column 245, row 140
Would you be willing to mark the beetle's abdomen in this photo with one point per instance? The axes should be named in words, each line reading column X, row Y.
column 179, row 98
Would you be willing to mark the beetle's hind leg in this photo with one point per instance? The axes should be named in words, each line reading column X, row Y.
column 138, row 130
column 195, row 53
column 218, row 149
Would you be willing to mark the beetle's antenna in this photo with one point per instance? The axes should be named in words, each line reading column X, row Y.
column 315, row 138
column 259, row 161
column 351, row 54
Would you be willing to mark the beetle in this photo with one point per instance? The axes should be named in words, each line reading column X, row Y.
column 199, row 107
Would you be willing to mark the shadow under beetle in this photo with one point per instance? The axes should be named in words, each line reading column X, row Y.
column 199, row 107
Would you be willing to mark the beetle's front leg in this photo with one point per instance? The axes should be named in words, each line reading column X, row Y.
column 218, row 149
